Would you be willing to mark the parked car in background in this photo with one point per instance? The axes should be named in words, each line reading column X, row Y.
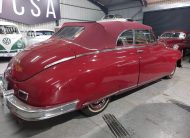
column 11, row 40
column 111, row 17
column 38, row 35
column 84, row 65
column 180, row 39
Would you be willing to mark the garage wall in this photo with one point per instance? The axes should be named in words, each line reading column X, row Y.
column 166, row 20
column 128, row 10
column 165, row 15
column 24, row 27
column 71, row 10
column 79, row 10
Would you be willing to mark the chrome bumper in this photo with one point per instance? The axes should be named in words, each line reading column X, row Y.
column 3, row 91
column 31, row 113
column 11, row 53
column 7, row 54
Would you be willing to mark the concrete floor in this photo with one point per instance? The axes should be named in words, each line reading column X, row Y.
column 158, row 110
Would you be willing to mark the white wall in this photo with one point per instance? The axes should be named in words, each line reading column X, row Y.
column 79, row 10
column 71, row 10
column 129, row 10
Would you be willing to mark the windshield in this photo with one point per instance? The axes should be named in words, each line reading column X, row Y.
column 174, row 35
column 8, row 29
column 69, row 32
column 40, row 33
column 109, row 16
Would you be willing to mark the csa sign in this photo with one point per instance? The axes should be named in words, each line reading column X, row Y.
column 30, row 11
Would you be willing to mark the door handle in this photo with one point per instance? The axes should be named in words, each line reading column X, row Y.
column 140, row 51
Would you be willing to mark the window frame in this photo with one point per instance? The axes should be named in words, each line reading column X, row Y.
column 147, row 41
column 120, row 36
column 134, row 37
column 78, row 33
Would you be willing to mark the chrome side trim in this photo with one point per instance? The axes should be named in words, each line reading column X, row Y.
column 31, row 113
column 92, row 53
column 112, row 94
column 86, row 54
column 124, row 90
column 59, row 61
column 149, row 81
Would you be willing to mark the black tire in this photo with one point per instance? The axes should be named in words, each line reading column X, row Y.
column 171, row 74
column 179, row 63
column 96, row 108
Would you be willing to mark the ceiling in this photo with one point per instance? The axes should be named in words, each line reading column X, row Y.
column 105, row 4
column 109, row 3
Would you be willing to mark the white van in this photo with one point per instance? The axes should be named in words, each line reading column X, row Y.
column 11, row 41
column 38, row 35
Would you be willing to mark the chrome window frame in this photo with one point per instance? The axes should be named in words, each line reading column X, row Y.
column 134, row 37
column 121, row 34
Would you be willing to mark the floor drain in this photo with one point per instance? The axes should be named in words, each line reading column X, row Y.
column 115, row 126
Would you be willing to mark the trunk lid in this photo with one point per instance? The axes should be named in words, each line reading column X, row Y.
column 34, row 59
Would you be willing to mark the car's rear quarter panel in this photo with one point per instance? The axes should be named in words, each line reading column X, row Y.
column 86, row 78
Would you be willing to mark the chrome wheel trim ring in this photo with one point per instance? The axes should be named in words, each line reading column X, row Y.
column 99, row 105
column 173, row 72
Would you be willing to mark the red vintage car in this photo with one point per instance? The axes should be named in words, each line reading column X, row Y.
column 82, row 66
column 176, row 38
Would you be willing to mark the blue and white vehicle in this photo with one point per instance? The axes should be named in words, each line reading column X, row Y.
column 11, row 40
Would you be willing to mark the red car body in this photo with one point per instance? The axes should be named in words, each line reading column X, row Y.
column 181, row 38
column 66, row 74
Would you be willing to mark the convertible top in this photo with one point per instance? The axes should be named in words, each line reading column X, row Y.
column 103, row 35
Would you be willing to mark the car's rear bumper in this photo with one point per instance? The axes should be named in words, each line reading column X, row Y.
column 3, row 91
column 31, row 113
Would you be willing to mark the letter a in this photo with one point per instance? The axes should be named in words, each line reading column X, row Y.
column 50, row 5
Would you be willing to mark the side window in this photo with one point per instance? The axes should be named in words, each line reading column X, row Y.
column 150, row 37
column 125, row 39
column 144, row 36
column 140, row 37
column 188, row 37
column 33, row 34
column 168, row 35
column 29, row 33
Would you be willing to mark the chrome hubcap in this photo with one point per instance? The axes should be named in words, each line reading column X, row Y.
column 98, row 104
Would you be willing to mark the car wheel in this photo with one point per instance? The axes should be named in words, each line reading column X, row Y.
column 171, row 74
column 96, row 107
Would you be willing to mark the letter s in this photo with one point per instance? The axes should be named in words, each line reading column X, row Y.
column 15, row 9
column 37, row 8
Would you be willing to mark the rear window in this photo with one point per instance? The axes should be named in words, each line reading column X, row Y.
column 69, row 32
column 39, row 33
column 8, row 29
column 174, row 35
